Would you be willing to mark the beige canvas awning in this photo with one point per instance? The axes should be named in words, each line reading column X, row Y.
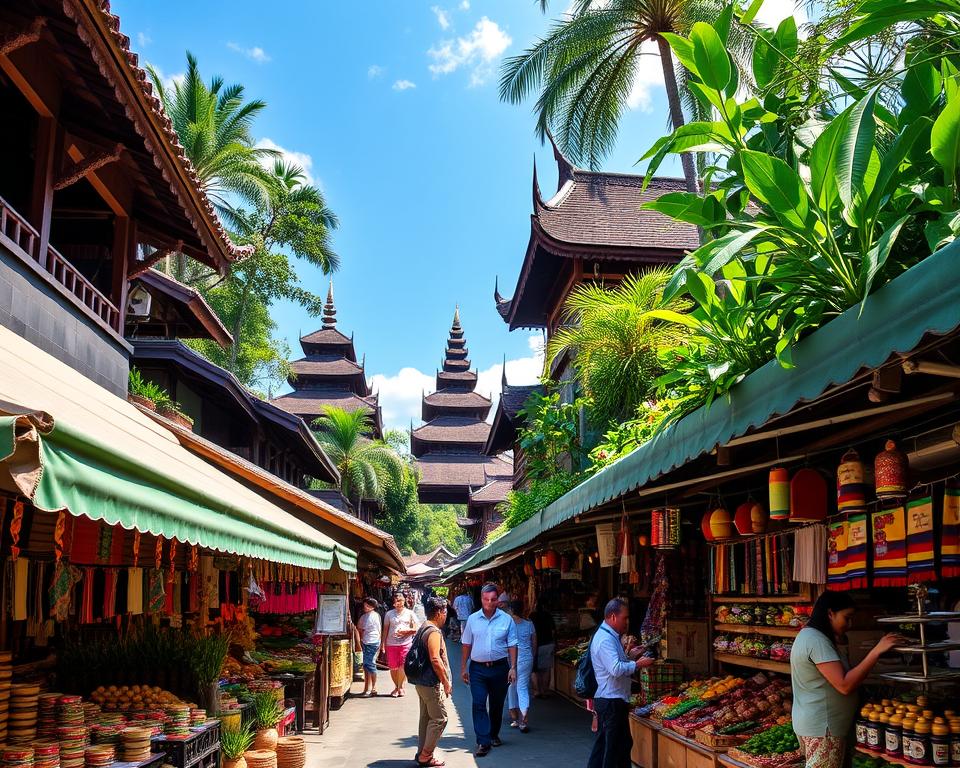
column 69, row 444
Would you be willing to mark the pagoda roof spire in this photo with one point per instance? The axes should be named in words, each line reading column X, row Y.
column 329, row 310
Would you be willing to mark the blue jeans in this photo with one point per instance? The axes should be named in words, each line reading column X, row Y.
column 370, row 651
column 488, row 682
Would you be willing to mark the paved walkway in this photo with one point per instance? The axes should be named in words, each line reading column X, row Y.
column 382, row 733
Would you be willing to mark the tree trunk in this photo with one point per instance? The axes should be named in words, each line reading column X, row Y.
column 676, row 112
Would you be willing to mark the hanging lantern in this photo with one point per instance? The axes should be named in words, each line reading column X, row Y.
column 852, row 485
column 551, row 560
column 721, row 526
column 779, row 494
column 642, row 540
column 538, row 562
column 528, row 569
column 705, row 528
column 808, row 496
column 750, row 518
column 665, row 528
column 891, row 470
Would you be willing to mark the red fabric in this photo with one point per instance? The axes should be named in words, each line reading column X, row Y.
column 86, row 603
column 303, row 600
column 86, row 536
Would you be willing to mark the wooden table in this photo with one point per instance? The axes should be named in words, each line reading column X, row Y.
column 644, row 733
column 676, row 751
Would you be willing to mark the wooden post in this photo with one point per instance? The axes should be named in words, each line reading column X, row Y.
column 124, row 252
column 41, row 199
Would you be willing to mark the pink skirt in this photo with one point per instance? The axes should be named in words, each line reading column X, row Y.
column 396, row 655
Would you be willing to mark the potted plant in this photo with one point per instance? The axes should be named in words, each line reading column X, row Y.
column 146, row 394
column 206, row 660
column 266, row 714
column 171, row 410
column 234, row 742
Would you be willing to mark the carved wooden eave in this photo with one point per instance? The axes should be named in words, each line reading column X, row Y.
column 86, row 166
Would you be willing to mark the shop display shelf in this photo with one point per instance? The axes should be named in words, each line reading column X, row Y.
column 929, row 648
column 749, row 661
column 934, row 617
column 761, row 599
column 884, row 757
column 932, row 677
column 758, row 629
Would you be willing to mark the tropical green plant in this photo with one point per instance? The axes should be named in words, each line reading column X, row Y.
column 367, row 467
column 584, row 69
column 631, row 434
column 550, row 432
column 214, row 125
column 614, row 342
column 235, row 741
column 807, row 207
column 207, row 657
column 436, row 524
column 267, row 711
column 523, row 504
column 142, row 387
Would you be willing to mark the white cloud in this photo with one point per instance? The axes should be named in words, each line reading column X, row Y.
column 465, row 5
column 404, row 85
column 649, row 75
column 401, row 393
column 143, row 39
column 478, row 50
column 443, row 17
column 772, row 12
column 297, row 158
column 374, row 71
column 256, row 53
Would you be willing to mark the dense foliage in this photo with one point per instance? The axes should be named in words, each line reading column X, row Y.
column 550, row 435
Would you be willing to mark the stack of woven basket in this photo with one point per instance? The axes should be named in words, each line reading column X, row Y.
column 261, row 758
column 291, row 752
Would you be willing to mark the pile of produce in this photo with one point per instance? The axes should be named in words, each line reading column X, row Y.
column 572, row 654
column 763, row 615
column 132, row 698
column 774, row 747
column 236, row 670
column 754, row 646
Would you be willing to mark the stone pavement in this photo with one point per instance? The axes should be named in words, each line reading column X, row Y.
column 382, row 733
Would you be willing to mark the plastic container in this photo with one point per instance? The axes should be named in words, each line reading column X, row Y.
column 940, row 743
column 893, row 746
column 920, row 749
column 906, row 737
column 874, row 732
column 860, row 727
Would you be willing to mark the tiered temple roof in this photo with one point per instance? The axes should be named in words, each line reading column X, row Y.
column 449, row 446
column 329, row 374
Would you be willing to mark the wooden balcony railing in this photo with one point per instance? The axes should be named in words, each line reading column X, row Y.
column 24, row 241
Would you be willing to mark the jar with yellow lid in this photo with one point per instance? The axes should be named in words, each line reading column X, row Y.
column 920, row 749
column 940, row 743
column 892, row 736
column 874, row 732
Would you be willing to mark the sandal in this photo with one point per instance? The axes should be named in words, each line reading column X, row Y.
column 514, row 724
column 401, row 692
column 394, row 694
column 431, row 763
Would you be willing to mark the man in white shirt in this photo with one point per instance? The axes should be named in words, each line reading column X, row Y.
column 490, row 645
column 463, row 607
column 614, row 669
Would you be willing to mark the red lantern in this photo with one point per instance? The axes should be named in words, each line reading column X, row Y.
column 890, row 470
column 665, row 528
column 705, row 527
column 538, row 562
column 551, row 559
column 808, row 496
column 750, row 518
column 642, row 540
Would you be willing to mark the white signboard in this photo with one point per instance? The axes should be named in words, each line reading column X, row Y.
column 332, row 615
column 607, row 545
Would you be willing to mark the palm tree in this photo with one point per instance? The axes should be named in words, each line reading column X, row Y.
column 214, row 124
column 367, row 467
column 585, row 67
column 615, row 343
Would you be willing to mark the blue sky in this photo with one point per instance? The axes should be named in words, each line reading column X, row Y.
column 392, row 107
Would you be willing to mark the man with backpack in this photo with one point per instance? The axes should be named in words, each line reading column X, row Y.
column 613, row 669
column 426, row 666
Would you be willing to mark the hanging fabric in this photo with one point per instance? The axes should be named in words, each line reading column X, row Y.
column 837, row 555
column 921, row 559
column 155, row 592
column 811, row 546
column 58, row 533
column 86, row 601
column 950, row 530
column 65, row 577
column 16, row 524
column 110, row 594
column 889, row 547
column 858, row 540
column 135, row 591
column 21, row 580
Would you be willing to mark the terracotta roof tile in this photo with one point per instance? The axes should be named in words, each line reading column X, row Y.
column 325, row 365
column 604, row 209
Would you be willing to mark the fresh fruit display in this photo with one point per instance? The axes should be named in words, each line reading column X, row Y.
column 132, row 698
column 572, row 653
column 732, row 730
column 682, row 708
column 755, row 646
column 778, row 740
column 721, row 687
column 763, row 615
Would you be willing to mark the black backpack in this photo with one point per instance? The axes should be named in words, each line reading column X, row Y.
column 585, row 683
column 417, row 666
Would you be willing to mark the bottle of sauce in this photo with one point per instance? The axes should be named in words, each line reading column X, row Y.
column 921, row 743
column 906, row 737
column 955, row 742
column 892, row 736
column 940, row 743
column 861, row 726
column 873, row 731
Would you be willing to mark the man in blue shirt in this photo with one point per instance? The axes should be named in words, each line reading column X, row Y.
column 614, row 669
column 490, row 644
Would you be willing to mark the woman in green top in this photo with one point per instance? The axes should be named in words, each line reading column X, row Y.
column 824, row 686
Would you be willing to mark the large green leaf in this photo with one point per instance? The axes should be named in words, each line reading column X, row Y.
column 750, row 14
column 692, row 137
column 886, row 14
column 877, row 256
column 787, row 39
column 684, row 206
column 856, row 145
column 945, row 140
column 710, row 56
column 716, row 254
column 683, row 49
column 765, row 58
column 823, row 159
column 921, row 87
column 888, row 174
column 775, row 183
